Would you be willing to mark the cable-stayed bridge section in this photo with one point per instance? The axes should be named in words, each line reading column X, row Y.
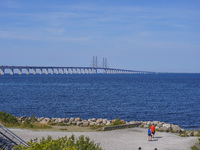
column 66, row 70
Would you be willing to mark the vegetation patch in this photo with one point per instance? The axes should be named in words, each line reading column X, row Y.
column 8, row 119
column 194, row 148
column 64, row 143
column 117, row 122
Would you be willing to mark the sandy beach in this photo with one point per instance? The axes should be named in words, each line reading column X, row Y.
column 125, row 139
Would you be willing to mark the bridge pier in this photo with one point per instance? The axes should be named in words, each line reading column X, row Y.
column 20, row 71
column 40, row 71
column 83, row 71
column 67, row 71
column 2, row 72
column 52, row 71
column 71, row 70
column 79, row 70
column 27, row 71
column 11, row 71
column 75, row 71
column 34, row 71
column 47, row 71
column 62, row 71
column 57, row 70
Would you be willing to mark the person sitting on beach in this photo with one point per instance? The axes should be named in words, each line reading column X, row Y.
column 139, row 148
column 149, row 134
column 153, row 130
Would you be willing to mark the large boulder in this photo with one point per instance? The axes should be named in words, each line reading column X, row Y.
column 77, row 119
column 58, row 120
column 40, row 119
column 94, row 120
column 86, row 124
column 71, row 119
column 45, row 120
column 73, row 123
column 93, row 123
column 166, row 127
column 176, row 128
column 108, row 123
column 105, row 121
column 66, row 120
column 99, row 121
column 79, row 123
column 63, row 120
column 132, row 122
column 22, row 118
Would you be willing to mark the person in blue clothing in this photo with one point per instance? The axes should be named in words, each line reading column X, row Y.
column 149, row 134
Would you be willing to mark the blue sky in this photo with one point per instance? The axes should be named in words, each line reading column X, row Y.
column 140, row 35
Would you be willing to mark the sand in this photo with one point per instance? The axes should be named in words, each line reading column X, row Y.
column 125, row 139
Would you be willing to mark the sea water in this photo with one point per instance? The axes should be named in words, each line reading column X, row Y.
column 171, row 98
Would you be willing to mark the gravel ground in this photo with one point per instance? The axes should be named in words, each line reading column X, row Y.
column 126, row 139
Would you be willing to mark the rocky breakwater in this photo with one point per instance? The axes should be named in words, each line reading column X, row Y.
column 160, row 126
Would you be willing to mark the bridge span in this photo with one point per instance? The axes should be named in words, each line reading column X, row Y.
column 67, row 70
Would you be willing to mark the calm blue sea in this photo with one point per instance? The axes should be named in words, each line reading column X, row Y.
column 171, row 98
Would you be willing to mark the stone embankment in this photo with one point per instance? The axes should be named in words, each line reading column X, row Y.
column 104, row 123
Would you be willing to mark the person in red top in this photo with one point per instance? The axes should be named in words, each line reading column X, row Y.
column 153, row 130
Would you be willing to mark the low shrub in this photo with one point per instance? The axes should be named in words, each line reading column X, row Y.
column 117, row 122
column 8, row 119
column 183, row 134
column 194, row 148
column 64, row 143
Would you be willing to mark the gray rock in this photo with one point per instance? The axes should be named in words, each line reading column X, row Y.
column 22, row 118
column 66, row 120
column 132, row 122
column 176, row 128
column 73, row 122
column 105, row 121
column 58, row 120
column 86, row 124
column 99, row 121
column 166, row 125
column 79, row 123
column 92, row 123
column 71, row 119
column 40, row 119
column 53, row 119
column 108, row 123
column 77, row 119
column 94, row 120
column 45, row 120
column 155, row 122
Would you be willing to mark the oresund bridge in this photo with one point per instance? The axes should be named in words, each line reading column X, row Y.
column 69, row 70
column 66, row 70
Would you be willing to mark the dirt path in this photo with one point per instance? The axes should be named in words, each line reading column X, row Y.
column 126, row 139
